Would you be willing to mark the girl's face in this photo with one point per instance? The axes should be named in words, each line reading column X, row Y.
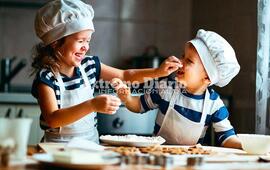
column 74, row 49
column 192, row 75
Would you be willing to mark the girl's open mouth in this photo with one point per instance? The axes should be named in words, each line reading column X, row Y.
column 79, row 56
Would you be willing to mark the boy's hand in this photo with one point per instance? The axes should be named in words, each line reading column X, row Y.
column 122, row 90
column 116, row 83
column 170, row 65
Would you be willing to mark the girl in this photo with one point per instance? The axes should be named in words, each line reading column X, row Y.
column 66, row 76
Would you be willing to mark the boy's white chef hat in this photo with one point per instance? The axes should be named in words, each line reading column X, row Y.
column 60, row 18
column 218, row 57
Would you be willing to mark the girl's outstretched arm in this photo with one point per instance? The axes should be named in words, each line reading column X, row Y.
column 170, row 65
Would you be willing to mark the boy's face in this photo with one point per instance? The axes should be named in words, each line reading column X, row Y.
column 192, row 75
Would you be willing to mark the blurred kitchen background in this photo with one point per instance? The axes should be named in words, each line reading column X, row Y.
column 126, row 30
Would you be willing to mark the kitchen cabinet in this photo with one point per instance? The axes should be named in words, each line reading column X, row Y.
column 4, row 109
column 30, row 111
column 127, row 122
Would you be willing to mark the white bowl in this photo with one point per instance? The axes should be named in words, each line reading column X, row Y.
column 255, row 143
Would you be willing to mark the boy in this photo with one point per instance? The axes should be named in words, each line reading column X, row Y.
column 187, row 106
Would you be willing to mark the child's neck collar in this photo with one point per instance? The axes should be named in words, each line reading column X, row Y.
column 68, row 72
column 193, row 95
column 198, row 91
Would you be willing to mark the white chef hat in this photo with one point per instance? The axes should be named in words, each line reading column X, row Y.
column 60, row 18
column 217, row 56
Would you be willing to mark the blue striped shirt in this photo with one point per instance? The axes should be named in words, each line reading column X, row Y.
column 189, row 106
column 91, row 66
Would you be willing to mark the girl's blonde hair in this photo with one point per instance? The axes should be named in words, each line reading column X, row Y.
column 46, row 56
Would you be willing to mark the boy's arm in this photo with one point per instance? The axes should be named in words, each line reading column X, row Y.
column 232, row 142
column 131, row 102
column 170, row 65
column 223, row 129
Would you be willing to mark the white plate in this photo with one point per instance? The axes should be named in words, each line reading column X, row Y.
column 47, row 160
column 121, row 142
column 50, row 147
column 225, row 150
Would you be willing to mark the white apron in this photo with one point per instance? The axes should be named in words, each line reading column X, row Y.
column 85, row 127
column 177, row 129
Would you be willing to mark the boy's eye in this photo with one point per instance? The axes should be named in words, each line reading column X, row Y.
column 189, row 61
column 182, row 56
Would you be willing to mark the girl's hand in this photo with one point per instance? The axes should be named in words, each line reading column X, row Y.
column 170, row 65
column 122, row 90
column 106, row 104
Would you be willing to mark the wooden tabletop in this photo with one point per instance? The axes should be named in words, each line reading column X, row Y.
column 33, row 165
column 263, row 166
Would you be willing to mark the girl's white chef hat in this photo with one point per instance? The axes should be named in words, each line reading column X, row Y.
column 218, row 57
column 60, row 18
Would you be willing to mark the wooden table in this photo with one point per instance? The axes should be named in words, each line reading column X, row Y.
column 240, row 165
column 264, row 166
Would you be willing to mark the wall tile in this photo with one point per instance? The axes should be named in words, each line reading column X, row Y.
column 172, row 38
column 225, row 4
column 105, row 9
column 19, row 37
column 244, row 102
column 244, row 79
column 174, row 11
column 135, row 37
column 104, row 42
column 1, row 33
column 144, row 10
column 29, row 1
column 174, row 27
column 246, row 41
column 19, row 31
column 245, row 8
column 243, row 120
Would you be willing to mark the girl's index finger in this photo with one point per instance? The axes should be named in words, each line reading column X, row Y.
column 174, row 59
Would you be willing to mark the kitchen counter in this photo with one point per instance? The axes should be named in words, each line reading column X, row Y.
column 227, row 166
column 17, row 98
column 31, row 164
